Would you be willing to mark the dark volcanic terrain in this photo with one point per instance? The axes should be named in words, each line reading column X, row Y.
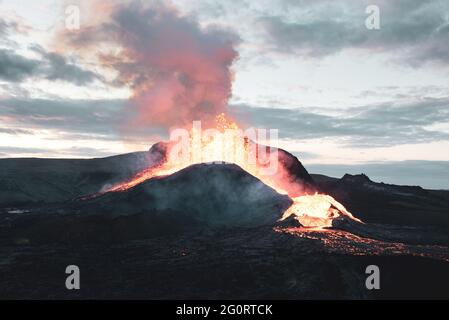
column 211, row 231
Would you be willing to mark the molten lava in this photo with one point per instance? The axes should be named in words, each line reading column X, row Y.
column 226, row 143
column 316, row 210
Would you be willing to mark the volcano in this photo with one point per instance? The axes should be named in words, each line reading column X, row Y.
column 223, row 191
column 212, row 195
column 214, row 230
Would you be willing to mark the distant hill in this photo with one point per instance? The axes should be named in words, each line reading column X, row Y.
column 386, row 203
column 24, row 180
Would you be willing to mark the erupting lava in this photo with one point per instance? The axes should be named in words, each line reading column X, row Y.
column 223, row 144
column 227, row 143
column 316, row 210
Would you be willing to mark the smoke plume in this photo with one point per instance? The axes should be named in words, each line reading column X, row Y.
column 178, row 71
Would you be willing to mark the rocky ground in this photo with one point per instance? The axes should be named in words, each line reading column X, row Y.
column 127, row 247
column 285, row 263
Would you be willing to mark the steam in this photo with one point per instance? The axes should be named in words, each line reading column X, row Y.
column 178, row 71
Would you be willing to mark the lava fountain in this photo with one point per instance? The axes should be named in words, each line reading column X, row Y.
column 227, row 143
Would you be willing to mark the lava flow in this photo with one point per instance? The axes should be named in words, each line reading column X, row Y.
column 316, row 210
column 226, row 143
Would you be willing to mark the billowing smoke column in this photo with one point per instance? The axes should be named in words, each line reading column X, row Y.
column 188, row 76
column 178, row 71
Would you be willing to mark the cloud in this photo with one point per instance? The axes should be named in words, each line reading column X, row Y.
column 14, row 131
column 57, row 67
column 6, row 27
column 385, row 124
column 10, row 149
column 64, row 152
column 306, row 155
column 9, row 27
column 94, row 116
column 313, row 39
column 414, row 31
column 178, row 70
column 50, row 66
column 74, row 119
column 15, row 68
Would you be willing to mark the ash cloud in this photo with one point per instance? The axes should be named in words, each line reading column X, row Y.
column 178, row 70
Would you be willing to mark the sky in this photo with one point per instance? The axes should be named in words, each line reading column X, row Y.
column 345, row 98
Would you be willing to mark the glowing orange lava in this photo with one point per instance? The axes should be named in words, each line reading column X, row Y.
column 226, row 143
column 316, row 210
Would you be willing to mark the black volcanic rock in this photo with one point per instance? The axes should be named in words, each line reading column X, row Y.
column 201, row 197
column 256, row 263
column 291, row 221
column 375, row 202
column 137, row 244
column 28, row 180
column 357, row 178
column 211, row 194
column 296, row 174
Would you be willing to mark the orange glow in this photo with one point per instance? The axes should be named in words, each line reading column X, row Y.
column 226, row 143
column 316, row 210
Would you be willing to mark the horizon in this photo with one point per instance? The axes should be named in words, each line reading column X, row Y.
column 381, row 172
